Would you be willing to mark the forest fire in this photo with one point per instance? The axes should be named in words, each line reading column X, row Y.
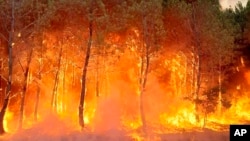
column 106, row 70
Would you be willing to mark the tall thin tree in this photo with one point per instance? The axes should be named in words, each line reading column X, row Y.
column 10, row 67
column 85, row 68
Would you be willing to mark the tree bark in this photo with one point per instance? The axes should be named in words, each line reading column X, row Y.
column 64, row 89
column 142, row 89
column 38, row 87
column 220, row 88
column 54, row 94
column 145, row 59
column 1, row 85
column 84, row 72
column 97, row 89
column 10, row 66
column 197, row 55
column 37, row 100
column 26, row 74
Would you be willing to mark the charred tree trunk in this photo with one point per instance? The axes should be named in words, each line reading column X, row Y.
column 2, row 114
column 40, row 61
column 145, row 59
column 1, row 85
column 193, row 77
column 142, row 89
column 37, row 99
column 97, row 90
column 143, row 81
column 219, row 108
column 84, row 72
column 38, row 87
column 54, row 94
column 10, row 65
column 26, row 74
column 197, row 53
column 73, row 76
column 64, row 90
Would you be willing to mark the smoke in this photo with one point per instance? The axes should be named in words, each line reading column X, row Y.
column 53, row 128
column 121, row 103
column 108, row 112
column 231, row 3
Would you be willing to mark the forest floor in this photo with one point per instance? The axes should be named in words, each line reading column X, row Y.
column 53, row 129
column 114, row 135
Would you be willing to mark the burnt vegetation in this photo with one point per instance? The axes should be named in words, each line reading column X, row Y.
column 75, row 58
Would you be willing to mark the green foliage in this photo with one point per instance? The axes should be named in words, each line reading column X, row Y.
column 240, row 15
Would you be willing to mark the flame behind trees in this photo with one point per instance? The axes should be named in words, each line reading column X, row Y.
column 207, row 45
column 135, row 64
column 149, row 33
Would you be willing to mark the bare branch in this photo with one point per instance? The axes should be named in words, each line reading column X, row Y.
column 4, row 14
column 8, row 94
column 5, row 79
column 32, row 23
column 4, row 37
column 20, row 65
column 25, row 14
column 13, row 96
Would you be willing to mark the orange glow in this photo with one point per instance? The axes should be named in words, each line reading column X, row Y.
column 169, row 103
column 171, row 111
column 247, row 76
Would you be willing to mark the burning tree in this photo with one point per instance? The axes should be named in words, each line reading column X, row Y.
column 207, row 50
column 9, row 39
column 14, row 32
column 92, row 15
column 143, row 67
column 148, row 33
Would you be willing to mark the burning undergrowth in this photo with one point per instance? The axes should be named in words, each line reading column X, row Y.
column 55, row 128
column 132, row 84
column 116, row 117
column 113, row 111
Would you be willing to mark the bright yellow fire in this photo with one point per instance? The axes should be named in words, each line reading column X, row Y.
column 8, row 118
column 169, row 103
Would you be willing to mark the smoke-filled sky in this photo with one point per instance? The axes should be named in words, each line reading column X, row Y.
column 228, row 3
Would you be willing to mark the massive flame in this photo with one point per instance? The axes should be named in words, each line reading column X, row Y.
column 112, row 99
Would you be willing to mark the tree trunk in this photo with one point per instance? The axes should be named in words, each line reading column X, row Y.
column 141, row 104
column 40, row 69
column 37, row 100
column 10, row 62
column 197, row 90
column 197, row 53
column 2, row 114
column 73, row 76
column 84, row 72
column 97, row 76
column 1, row 85
column 143, row 82
column 64, row 90
column 26, row 74
column 54, row 94
column 38, row 87
column 220, row 89
column 144, row 72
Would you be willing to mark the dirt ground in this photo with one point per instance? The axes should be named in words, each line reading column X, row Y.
column 29, row 135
